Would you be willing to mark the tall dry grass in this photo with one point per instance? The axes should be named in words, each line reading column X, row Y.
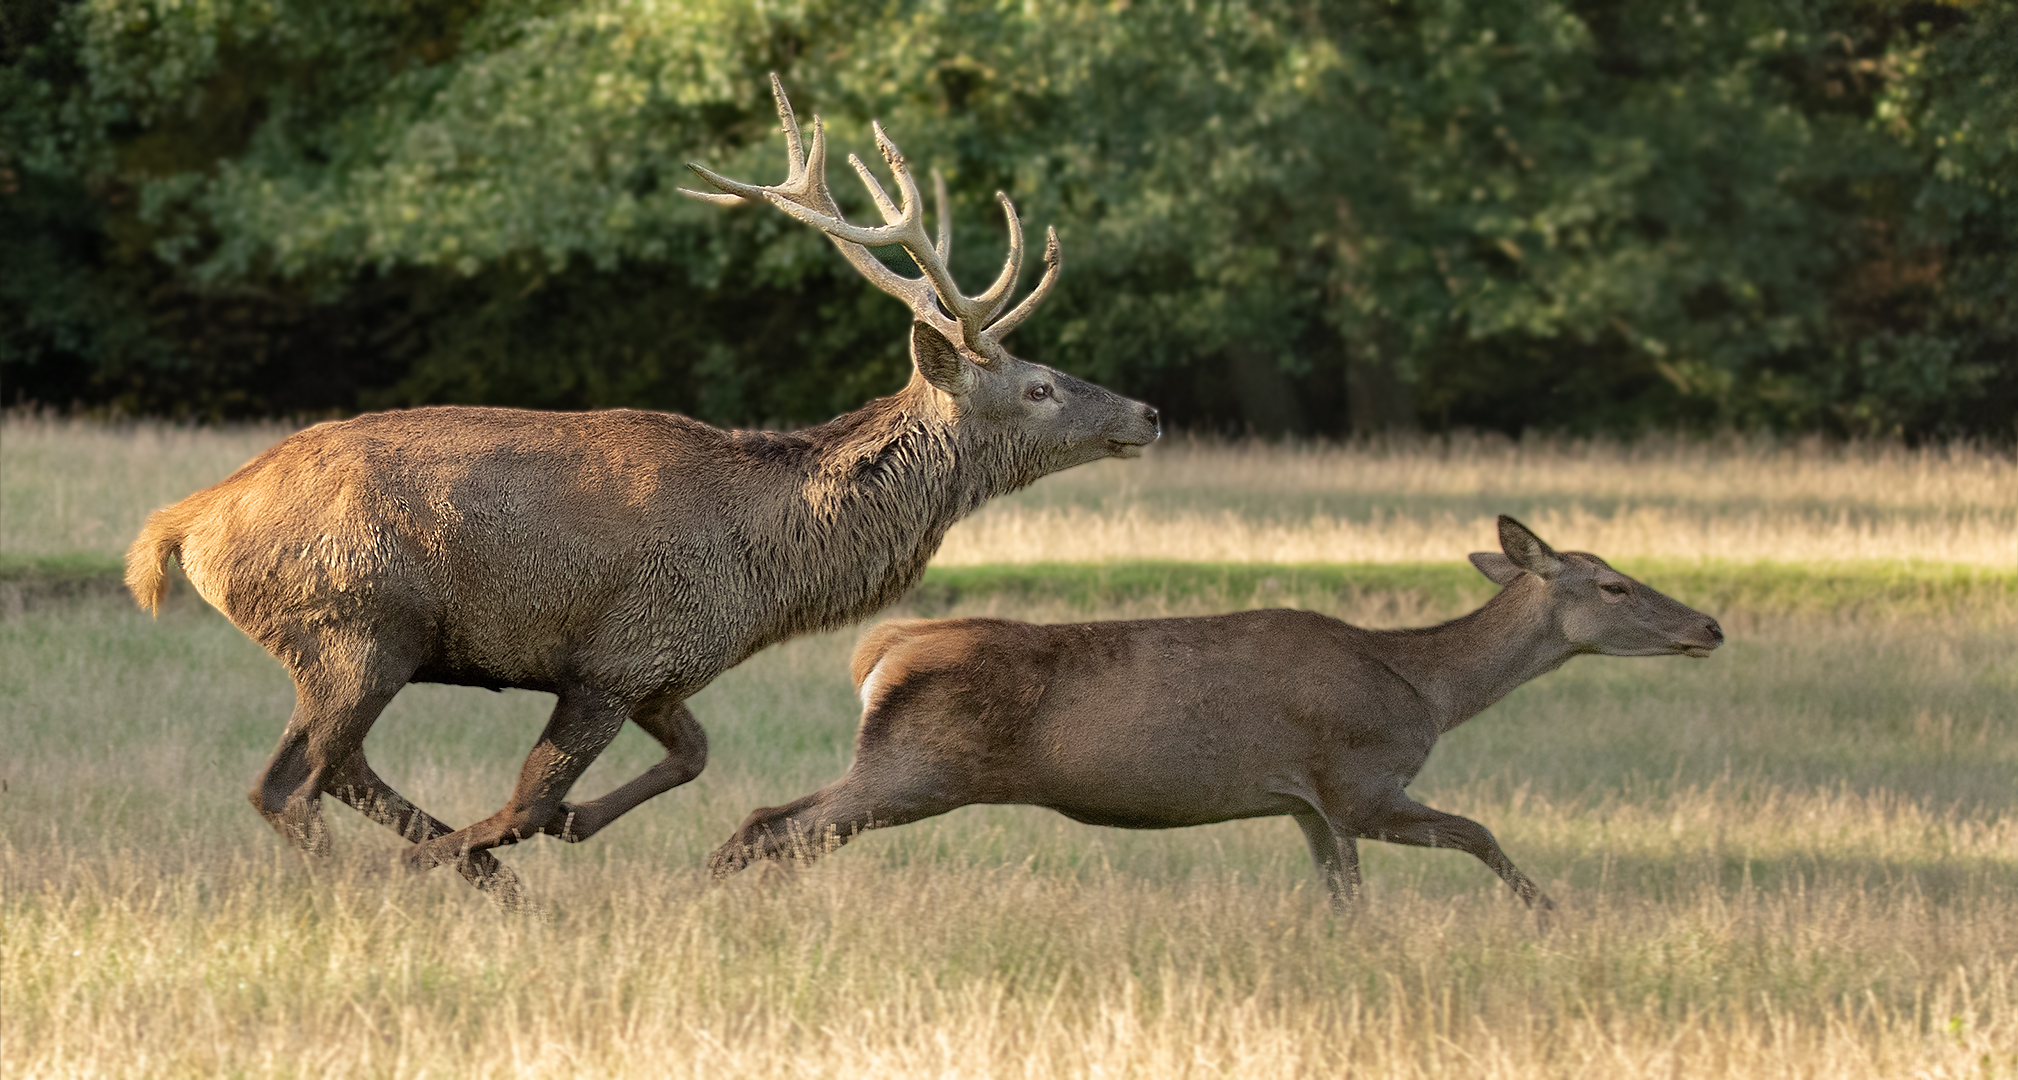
column 1413, row 499
column 78, row 487
column 1798, row 858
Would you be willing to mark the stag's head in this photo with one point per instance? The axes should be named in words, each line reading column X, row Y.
column 1597, row 608
column 1042, row 419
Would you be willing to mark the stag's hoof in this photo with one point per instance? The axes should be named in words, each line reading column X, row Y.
column 568, row 824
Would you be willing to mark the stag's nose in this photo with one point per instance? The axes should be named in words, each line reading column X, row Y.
column 1155, row 418
column 1716, row 632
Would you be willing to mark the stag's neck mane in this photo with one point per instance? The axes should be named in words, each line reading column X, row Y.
column 855, row 507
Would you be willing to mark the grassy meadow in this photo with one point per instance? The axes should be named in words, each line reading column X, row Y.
column 1797, row 858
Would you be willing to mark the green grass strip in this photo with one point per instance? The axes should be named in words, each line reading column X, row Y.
column 73, row 566
column 1903, row 587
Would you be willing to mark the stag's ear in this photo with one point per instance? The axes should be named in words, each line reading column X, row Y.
column 1496, row 566
column 1526, row 550
column 940, row 361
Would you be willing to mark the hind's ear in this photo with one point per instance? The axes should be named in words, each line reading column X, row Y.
column 1526, row 550
column 940, row 361
column 1496, row 566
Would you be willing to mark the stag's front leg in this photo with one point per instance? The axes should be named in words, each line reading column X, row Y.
column 582, row 725
column 686, row 754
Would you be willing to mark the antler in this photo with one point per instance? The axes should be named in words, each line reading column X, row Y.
column 935, row 298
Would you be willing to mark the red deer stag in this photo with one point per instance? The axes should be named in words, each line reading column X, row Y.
column 619, row 560
column 1161, row 723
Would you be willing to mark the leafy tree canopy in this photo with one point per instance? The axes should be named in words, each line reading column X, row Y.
column 1281, row 216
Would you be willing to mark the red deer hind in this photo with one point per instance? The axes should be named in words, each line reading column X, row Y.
column 619, row 560
column 1163, row 723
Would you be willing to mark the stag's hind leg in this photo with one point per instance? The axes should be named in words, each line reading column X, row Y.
column 340, row 687
column 686, row 755
column 360, row 787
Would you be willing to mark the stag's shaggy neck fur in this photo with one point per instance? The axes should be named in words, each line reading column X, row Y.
column 864, row 502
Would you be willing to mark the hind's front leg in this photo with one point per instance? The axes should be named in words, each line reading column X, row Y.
column 1402, row 820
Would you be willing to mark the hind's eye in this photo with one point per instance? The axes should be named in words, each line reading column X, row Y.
column 1038, row 392
column 1613, row 587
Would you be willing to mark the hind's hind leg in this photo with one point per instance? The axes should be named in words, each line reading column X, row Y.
column 813, row 825
column 339, row 690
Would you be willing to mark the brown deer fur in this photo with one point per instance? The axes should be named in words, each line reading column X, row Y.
column 1162, row 723
column 620, row 560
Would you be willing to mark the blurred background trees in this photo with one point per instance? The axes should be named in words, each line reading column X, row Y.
column 1277, row 217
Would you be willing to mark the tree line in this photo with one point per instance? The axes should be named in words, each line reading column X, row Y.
column 1319, row 218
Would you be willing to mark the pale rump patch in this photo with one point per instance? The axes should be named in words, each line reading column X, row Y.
column 872, row 681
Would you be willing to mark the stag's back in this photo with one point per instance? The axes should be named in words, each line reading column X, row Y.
column 506, row 541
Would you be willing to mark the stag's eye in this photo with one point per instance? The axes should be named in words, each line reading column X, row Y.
column 1614, row 587
column 1038, row 393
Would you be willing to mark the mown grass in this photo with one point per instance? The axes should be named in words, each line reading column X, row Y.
column 1797, row 858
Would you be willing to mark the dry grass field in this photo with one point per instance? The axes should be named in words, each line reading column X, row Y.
column 1798, row 858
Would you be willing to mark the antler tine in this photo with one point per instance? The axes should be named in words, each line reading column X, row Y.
column 891, row 215
column 805, row 182
column 944, row 247
column 815, row 178
column 795, row 153
column 920, row 247
column 713, row 197
column 934, row 298
column 797, row 164
column 916, row 293
column 991, row 302
column 1052, row 261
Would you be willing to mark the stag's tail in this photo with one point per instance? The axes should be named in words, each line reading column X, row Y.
column 147, row 560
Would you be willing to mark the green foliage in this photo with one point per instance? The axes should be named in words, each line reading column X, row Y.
column 1290, row 216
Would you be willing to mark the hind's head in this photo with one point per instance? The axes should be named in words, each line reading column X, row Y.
column 1598, row 609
